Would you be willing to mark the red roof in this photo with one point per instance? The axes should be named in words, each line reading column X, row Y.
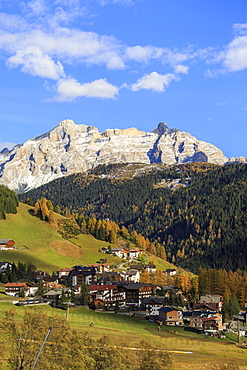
column 213, row 318
column 66, row 269
column 98, row 300
column 101, row 287
column 14, row 285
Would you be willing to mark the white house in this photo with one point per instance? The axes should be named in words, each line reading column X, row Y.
column 153, row 304
column 133, row 253
column 64, row 272
column 133, row 275
column 120, row 252
column 14, row 289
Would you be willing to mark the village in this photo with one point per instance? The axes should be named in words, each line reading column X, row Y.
column 102, row 287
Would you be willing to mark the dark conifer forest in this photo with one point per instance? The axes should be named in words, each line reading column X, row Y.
column 8, row 202
column 197, row 211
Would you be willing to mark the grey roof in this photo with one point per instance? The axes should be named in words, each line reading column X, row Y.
column 82, row 270
column 110, row 273
column 167, row 309
column 4, row 241
column 52, row 293
column 134, row 286
column 170, row 270
column 57, row 292
column 209, row 298
column 156, row 299
column 136, row 267
column 132, row 272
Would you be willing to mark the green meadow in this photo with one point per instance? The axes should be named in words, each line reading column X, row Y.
column 39, row 242
column 125, row 331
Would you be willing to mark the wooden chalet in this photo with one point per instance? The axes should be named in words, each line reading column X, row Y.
column 171, row 316
column 14, row 289
column 6, row 244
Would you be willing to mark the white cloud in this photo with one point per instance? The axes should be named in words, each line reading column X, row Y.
column 34, row 62
column 222, row 103
column 115, row 62
column 67, row 45
column 180, row 68
column 122, row 2
column 70, row 89
column 12, row 22
column 173, row 58
column 38, row 7
column 154, row 81
column 240, row 28
column 42, row 45
column 233, row 57
column 236, row 55
column 143, row 53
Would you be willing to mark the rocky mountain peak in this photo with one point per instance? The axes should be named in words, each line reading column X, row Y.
column 5, row 151
column 67, row 123
column 161, row 129
column 70, row 148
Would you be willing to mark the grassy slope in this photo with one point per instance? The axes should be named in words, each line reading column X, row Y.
column 128, row 332
column 40, row 244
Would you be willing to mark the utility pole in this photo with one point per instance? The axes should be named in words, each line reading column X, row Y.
column 67, row 313
column 239, row 338
column 41, row 348
column 69, row 304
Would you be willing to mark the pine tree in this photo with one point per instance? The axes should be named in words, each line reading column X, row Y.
column 233, row 306
column 63, row 299
column 41, row 290
column 84, row 295
column 22, row 293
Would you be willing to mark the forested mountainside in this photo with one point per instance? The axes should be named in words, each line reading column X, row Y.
column 197, row 211
column 8, row 202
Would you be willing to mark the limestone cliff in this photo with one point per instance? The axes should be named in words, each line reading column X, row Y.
column 71, row 148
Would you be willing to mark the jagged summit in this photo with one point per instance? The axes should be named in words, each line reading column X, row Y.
column 70, row 148
column 162, row 129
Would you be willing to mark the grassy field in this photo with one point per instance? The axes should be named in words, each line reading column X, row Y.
column 127, row 331
column 38, row 242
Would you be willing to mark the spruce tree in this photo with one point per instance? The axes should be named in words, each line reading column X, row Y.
column 233, row 306
column 84, row 295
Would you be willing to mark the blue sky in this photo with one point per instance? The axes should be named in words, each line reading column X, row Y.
column 125, row 63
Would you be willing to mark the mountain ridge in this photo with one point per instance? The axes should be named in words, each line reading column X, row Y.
column 70, row 148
